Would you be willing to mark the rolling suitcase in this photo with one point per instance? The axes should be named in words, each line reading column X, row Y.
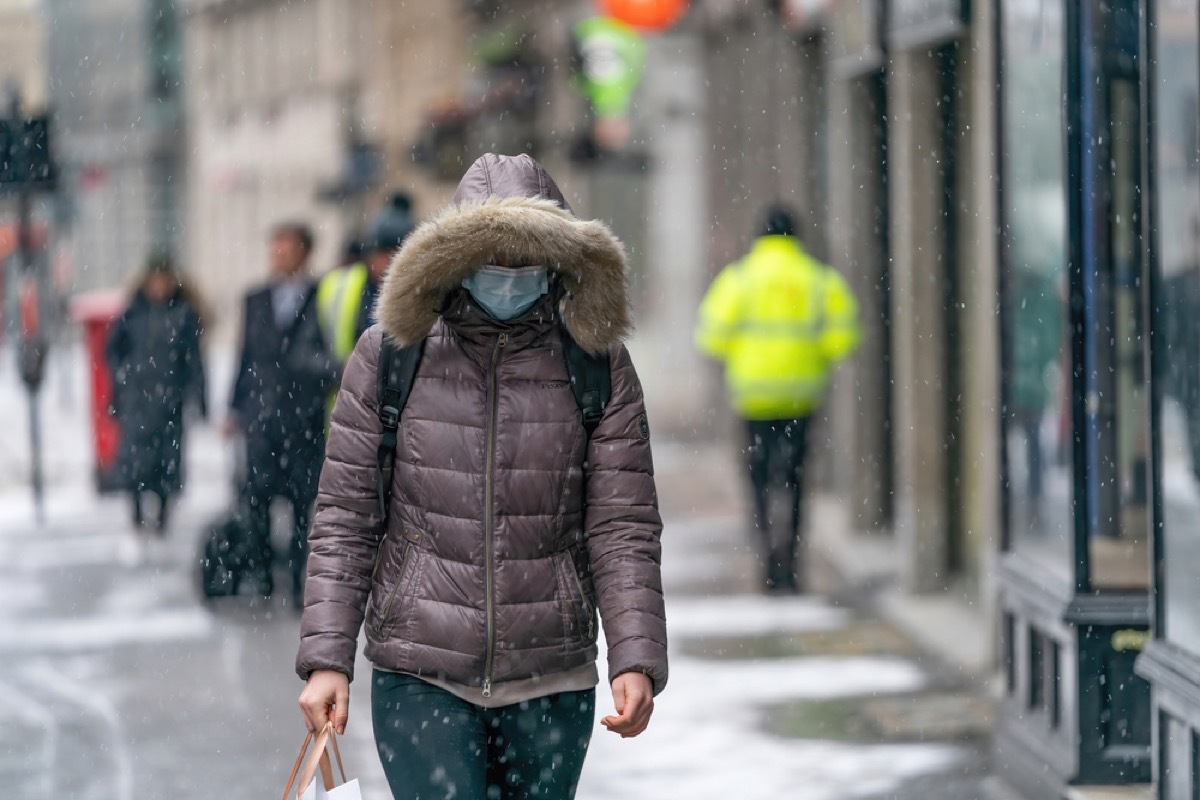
column 223, row 556
column 224, row 559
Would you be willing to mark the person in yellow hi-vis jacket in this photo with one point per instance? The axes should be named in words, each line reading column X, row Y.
column 346, row 296
column 779, row 320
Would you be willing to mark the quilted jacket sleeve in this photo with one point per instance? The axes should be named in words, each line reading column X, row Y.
column 346, row 531
column 624, row 529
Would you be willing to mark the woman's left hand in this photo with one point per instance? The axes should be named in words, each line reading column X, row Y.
column 633, row 695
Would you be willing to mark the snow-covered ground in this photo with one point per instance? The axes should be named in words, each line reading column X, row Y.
column 100, row 628
column 707, row 740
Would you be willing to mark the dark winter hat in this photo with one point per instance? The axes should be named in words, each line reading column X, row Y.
column 160, row 261
column 354, row 249
column 779, row 220
column 392, row 225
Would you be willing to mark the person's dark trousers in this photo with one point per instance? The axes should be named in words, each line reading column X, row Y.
column 777, row 449
column 164, row 503
column 280, row 465
column 435, row 746
column 259, row 507
column 1031, row 427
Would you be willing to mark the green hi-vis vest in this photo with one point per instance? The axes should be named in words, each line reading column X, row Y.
column 780, row 320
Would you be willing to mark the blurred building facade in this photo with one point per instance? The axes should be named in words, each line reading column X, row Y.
column 115, row 89
column 317, row 109
column 23, row 50
column 307, row 110
column 1011, row 189
column 881, row 131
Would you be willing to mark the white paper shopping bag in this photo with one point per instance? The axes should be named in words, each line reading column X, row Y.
column 317, row 779
column 317, row 791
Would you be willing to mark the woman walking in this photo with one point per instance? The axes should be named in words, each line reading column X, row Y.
column 154, row 356
column 509, row 521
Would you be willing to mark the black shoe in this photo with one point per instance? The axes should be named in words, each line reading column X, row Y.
column 265, row 583
column 780, row 578
column 783, row 588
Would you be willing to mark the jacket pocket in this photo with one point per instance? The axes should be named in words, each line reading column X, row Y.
column 388, row 610
column 581, row 611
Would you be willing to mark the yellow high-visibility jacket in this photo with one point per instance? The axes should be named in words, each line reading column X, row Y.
column 780, row 320
column 339, row 297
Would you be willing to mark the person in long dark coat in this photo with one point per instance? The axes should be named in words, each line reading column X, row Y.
column 283, row 379
column 154, row 355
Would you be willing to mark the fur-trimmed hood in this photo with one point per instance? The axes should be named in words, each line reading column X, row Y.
column 508, row 208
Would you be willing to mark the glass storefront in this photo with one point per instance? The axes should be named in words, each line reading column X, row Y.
column 1176, row 309
column 1077, row 446
column 1116, row 467
column 1038, row 392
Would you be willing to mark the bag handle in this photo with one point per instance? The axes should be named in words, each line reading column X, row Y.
column 318, row 758
column 296, row 767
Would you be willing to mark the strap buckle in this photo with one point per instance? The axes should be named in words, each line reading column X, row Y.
column 390, row 417
column 593, row 411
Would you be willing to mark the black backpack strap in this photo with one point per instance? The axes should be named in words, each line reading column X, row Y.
column 393, row 381
column 591, row 381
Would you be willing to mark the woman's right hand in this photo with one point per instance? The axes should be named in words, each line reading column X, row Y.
column 326, row 697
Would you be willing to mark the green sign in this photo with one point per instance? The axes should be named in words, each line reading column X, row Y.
column 611, row 60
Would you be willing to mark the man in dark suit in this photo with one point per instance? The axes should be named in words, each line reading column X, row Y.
column 285, row 374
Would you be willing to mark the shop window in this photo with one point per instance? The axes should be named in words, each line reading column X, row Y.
column 1054, row 689
column 1118, row 544
column 1175, row 306
column 1194, row 766
column 1037, row 669
column 1038, row 415
column 1045, row 678
column 1010, row 654
column 1177, row 760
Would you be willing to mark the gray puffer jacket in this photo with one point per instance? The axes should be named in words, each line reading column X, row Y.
column 508, row 529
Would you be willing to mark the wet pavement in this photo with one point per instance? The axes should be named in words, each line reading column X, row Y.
column 943, row 710
column 126, row 684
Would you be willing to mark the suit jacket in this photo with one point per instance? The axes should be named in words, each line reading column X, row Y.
column 283, row 378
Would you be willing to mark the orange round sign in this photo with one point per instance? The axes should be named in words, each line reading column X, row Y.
column 652, row 15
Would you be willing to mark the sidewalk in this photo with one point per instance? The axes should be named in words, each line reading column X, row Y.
column 121, row 668
column 780, row 697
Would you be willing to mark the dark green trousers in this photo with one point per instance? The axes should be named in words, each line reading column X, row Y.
column 435, row 746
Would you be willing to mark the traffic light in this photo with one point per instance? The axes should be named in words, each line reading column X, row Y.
column 8, row 160
column 25, row 153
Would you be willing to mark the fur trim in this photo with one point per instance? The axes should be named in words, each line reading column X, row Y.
column 446, row 249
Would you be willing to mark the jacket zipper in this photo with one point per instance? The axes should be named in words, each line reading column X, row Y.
column 591, row 621
column 387, row 604
column 489, row 520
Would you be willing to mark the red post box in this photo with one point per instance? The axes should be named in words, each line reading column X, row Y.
column 95, row 311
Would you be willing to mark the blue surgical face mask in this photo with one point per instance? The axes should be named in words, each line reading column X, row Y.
column 505, row 292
